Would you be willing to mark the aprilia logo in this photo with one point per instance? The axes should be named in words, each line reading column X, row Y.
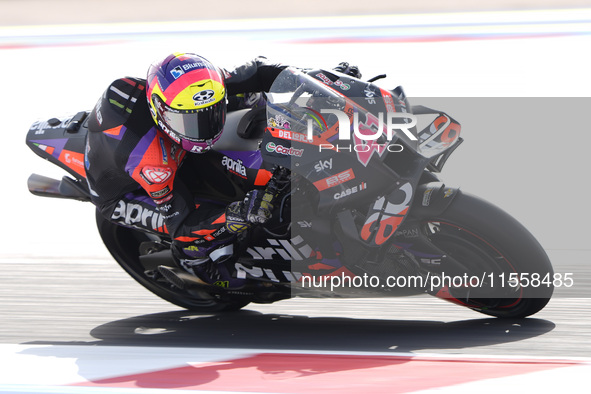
column 282, row 248
column 132, row 214
column 234, row 166
column 243, row 272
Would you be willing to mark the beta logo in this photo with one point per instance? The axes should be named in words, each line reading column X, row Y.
column 156, row 174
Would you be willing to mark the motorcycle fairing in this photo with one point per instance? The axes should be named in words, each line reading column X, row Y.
column 369, row 175
column 62, row 142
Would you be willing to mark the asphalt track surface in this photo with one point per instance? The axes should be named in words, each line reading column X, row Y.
column 62, row 288
column 67, row 302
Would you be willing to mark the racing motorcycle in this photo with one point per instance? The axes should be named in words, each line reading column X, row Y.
column 359, row 210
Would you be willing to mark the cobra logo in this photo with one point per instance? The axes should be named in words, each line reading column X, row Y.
column 204, row 97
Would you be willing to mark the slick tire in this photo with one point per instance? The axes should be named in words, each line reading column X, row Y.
column 485, row 238
column 124, row 245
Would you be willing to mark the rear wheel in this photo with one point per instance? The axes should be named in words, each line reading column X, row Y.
column 496, row 247
column 124, row 245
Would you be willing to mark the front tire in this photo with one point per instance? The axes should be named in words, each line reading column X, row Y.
column 488, row 240
column 124, row 245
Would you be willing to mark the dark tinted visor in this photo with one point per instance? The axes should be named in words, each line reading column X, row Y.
column 194, row 125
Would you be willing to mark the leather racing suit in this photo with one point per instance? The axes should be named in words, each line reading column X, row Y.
column 132, row 166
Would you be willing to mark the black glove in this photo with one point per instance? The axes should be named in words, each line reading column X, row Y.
column 345, row 68
column 255, row 209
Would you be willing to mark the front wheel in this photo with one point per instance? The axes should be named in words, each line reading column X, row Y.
column 124, row 245
column 496, row 247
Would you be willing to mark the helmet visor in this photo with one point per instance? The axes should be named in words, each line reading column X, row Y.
column 195, row 125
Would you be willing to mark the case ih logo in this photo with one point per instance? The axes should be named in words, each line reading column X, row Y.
column 156, row 174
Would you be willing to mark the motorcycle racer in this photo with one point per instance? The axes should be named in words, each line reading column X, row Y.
column 141, row 132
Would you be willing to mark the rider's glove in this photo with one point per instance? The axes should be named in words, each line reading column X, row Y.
column 255, row 209
column 345, row 68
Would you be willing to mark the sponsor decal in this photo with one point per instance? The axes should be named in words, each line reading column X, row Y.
column 323, row 165
column 166, row 217
column 305, row 224
column 204, row 97
column 388, row 102
column 181, row 69
column 165, row 199
column 132, row 214
column 164, row 154
column 293, row 249
column 164, row 208
column 282, row 150
column 291, row 136
column 86, row 152
column 408, row 233
column 165, row 128
column 370, row 94
column 431, row 261
column 40, row 126
column 155, row 175
column 427, row 197
column 441, row 132
column 219, row 232
column 177, row 72
column 73, row 160
column 338, row 82
column 385, row 216
column 350, row 191
column 279, row 121
column 234, row 166
column 335, row 180
column 243, row 272
column 160, row 193
column 192, row 66
column 97, row 111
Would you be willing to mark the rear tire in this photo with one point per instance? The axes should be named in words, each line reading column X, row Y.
column 485, row 238
column 124, row 243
